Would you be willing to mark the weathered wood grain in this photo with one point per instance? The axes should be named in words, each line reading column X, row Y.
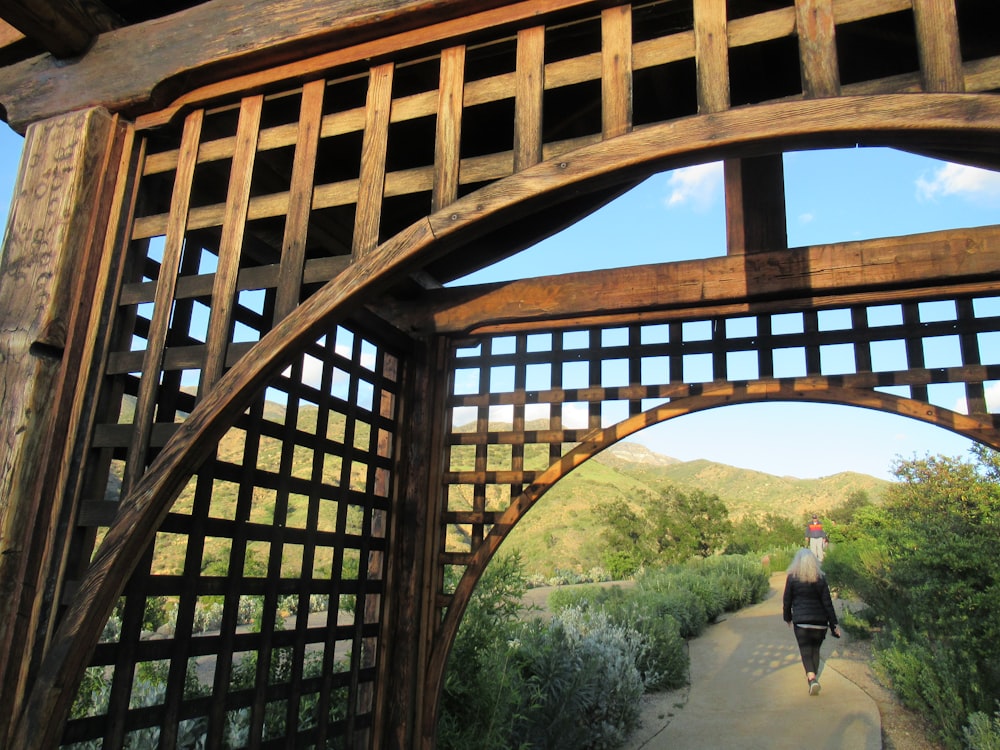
column 221, row 39
column 616, row 66
column 371, row 182
column 448, row 137
column 300, row 201
column 940, row 51
column 814, row 21
column 50, row 255
column 711, row 55
column 864, row 270
column 529, row 93
column 230, row 247
column 166, row 284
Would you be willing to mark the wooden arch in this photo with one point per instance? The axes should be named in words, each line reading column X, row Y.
column 712, row 397
column 520, row 180
column 938, row 118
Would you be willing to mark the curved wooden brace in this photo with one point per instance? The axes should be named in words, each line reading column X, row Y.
column 934, row 118
column 711, row 396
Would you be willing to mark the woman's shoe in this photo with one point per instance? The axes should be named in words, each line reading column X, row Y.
column 814, row 687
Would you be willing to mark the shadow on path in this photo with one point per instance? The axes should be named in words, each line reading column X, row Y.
column 748, row 691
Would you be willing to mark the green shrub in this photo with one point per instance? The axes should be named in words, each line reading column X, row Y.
column 857, row 624
column 586, row 597
column 663, row 661
column 983, row 732
column 931, row 679
column 583, row 683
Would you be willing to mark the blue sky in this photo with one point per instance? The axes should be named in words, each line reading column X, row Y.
column 832, row 196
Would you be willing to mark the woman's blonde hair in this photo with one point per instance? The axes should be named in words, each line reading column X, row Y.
column 805, row 566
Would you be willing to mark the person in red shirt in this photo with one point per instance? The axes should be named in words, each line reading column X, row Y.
column 816, row 538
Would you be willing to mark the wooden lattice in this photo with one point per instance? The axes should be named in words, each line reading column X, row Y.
column 302, row 212
column 527, row 407
column 265, row 581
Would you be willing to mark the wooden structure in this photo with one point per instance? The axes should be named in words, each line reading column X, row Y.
column 222, row 278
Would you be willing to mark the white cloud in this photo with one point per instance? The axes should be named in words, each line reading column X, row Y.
column 993, row 398
column 697, row 187
column 806, row 218
column 992, row 394
column 979, row 185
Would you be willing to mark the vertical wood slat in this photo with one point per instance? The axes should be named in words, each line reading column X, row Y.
column 529, row 87
column 371, row 182
column 975, row 395
column 616, row 70
column 711, row 43
column 448, row 139
column 814, row 23
column 233, row 227
column 914, row 345
column 755, row 205
column 862, row 347
column 293, row 248
column 938, row 43
column 162, row 302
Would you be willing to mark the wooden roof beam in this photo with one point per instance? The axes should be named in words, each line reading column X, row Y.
column 219, row 39
column 864, row 272
column 66, row 28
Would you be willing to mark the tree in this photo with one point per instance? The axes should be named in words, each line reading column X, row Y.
column 762, row 533
column 926, row 563
column 625, row 534
column 689, row 524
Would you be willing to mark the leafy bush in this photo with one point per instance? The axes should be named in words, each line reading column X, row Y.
column 858, row 624
column 928, row 679
column 583, row 683
column 575, row 682
column 983, row 732
column 925, row 564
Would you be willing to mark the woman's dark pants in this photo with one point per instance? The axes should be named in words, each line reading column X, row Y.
column 810, row 640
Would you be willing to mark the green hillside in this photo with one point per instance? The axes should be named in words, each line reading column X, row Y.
column 562, row 531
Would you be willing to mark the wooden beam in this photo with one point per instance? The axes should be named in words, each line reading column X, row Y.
column 65, row 28
column 300, row 194
column 231, row 244
column 865, row 270
column 221, row 39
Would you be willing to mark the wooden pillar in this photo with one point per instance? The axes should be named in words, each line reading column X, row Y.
column 52, row 263
column 755, row 205
column 412, row 585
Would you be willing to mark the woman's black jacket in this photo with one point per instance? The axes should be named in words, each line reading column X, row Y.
column 808, row 602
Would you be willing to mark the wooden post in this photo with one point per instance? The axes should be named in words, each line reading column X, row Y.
column 410, row 593
column 51, row 266
column 755, row 205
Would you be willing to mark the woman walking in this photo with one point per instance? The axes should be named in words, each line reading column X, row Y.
column 808, row 610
